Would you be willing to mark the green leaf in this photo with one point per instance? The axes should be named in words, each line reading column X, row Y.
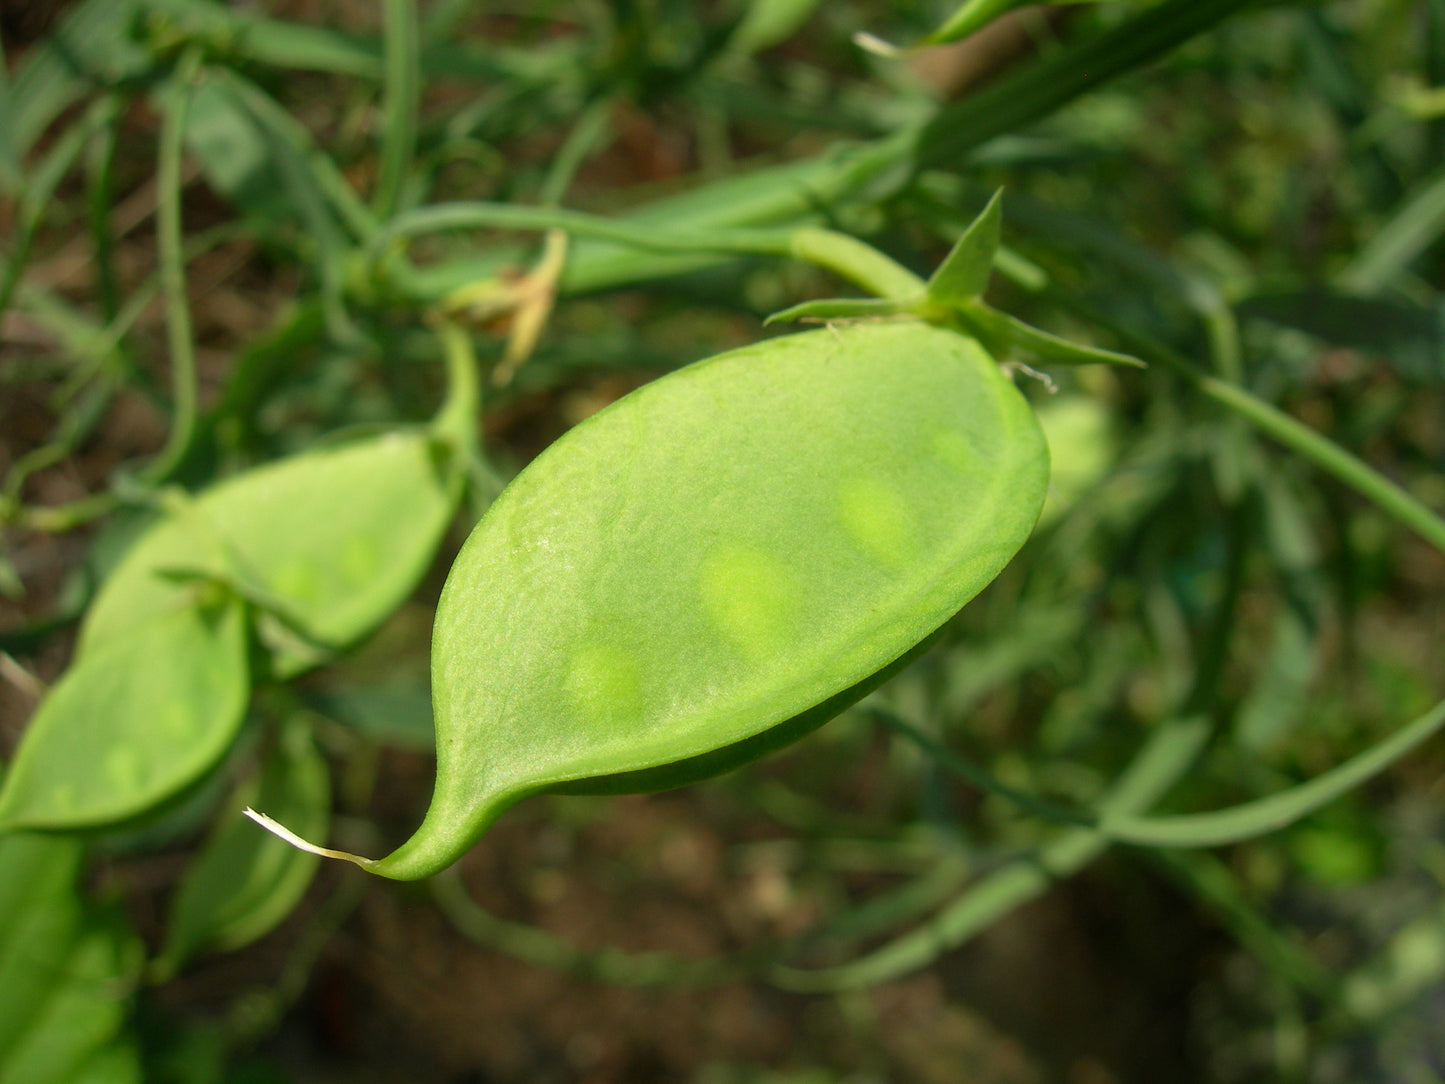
column 736, row 546
column 964, row 273
column 337, row 536
column 132, row 722
column 243, row 883
column 66, row 969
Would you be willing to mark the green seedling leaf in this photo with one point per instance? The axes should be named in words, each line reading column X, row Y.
column 133, row 722
column 338, row 537
column 964, row 273
column 1004, row 335
column 746, row 543
column 66, row 969
column 243, row 883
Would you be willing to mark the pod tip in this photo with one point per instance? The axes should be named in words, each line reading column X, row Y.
column 871, row 43
column 278, row 829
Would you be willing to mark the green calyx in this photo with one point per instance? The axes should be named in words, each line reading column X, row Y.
column 953, row 297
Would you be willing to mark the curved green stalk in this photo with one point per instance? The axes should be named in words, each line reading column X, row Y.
column 1263, row 815
column 458, row 418
column 856, row 261
column 1234, row 824
column 1324, row 453
column 180, row 341
column 97, row 351
column 443, row 217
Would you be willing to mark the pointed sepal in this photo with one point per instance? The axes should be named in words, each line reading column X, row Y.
column 844, row 308
column 1004, row 335
column 965, row 271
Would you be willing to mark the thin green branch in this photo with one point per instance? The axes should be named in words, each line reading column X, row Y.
column 1324, row 453
column 581, row 141
column 42, row 181
column 1275, row 811
column 180, row 336
column 1156, row 768
column 460, row 413
column 846, row 256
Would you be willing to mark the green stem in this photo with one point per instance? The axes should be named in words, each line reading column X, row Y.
column 100, row 199
column 1274, row 811
column 859, row 263
column 1319, row 450
column 846, row 256
column 401, row 98
column 536, row 946
column 580, row 141
column 442, row 217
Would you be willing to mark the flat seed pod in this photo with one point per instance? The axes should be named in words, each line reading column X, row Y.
column 133, row 722
column 337, row 537
column 739, row 544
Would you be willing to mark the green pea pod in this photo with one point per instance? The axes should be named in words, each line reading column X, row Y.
column 718, row 562
column 134, row 721
column 332, row 540
column 243, row 883
column 65, row 966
